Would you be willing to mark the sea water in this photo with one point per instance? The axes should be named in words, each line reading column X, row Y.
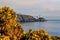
column 52, row 27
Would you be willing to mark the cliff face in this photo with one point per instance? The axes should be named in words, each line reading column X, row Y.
column 28, row 18
column 25, row 18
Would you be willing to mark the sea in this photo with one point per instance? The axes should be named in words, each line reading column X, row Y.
column 52, row 27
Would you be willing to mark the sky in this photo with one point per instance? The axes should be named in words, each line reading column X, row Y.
column 34, row 7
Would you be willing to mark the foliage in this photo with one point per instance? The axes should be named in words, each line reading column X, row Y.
column 8, row 24
column 38, row 35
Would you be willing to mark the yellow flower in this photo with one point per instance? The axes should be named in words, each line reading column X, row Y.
column 46, row 33
column 49, row 37
column 3, row 17
column 0, row 9
column 0, row 15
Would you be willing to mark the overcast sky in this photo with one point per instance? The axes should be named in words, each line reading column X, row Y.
column 34, row 7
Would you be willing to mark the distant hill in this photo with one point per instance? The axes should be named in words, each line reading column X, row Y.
column 28, row 18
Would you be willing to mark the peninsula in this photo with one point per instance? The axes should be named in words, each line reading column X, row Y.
column 28, row 18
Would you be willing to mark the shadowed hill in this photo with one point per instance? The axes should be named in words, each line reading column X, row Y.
column 28, row 18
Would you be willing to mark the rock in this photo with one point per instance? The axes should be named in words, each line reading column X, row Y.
column 28, row 18
column 25, row 18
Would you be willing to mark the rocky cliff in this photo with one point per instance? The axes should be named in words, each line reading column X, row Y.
column 28, row 18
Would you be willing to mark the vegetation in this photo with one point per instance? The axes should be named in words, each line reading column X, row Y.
column 10, row 27
column 38, row 35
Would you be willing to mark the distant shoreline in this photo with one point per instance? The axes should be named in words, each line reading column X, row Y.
column 53, row 20
column 28, row 18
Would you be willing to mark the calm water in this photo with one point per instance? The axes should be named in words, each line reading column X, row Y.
column 52, row 27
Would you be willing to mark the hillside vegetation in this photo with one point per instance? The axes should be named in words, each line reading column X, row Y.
column 10, row 27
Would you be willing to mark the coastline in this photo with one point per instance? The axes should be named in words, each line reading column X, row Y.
column 28, row 18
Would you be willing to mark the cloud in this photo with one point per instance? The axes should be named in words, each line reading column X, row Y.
column 43, row 7
column 19, row 2
column 50, row 5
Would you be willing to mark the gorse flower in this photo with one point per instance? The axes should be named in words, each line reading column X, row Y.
column 8, row 24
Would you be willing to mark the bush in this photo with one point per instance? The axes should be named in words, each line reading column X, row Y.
column 8, row 24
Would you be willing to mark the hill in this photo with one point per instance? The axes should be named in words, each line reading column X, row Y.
column 28, row 18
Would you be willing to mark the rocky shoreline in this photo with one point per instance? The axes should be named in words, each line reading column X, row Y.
column 28, row 18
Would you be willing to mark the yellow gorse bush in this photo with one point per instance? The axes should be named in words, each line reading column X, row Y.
column 8, row 24
column 4, row 38
column 7, row 13
column 38, row 35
